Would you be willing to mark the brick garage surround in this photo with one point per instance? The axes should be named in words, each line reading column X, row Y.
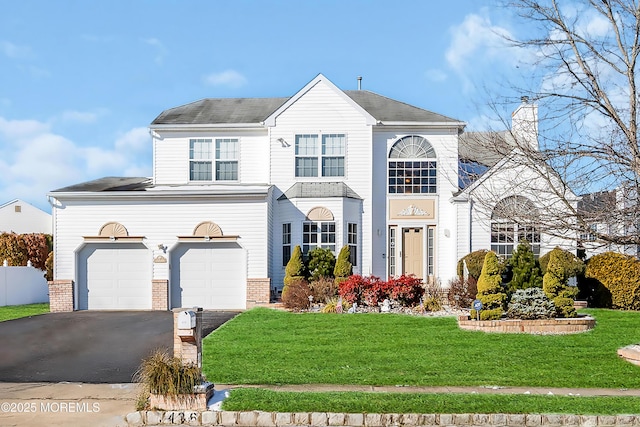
column 258, row 292
column 159, row 294
column 60, row 296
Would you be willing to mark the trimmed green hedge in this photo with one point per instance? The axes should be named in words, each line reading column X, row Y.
column 612, row 280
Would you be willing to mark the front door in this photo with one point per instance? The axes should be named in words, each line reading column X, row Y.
column 412, row 252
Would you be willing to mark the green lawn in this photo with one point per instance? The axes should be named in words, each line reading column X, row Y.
column 249, row 399
column 10, row 312
column 264, row 346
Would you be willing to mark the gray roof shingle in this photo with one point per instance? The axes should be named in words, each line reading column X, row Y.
column 109, row 183
column 304, row 190
column 256, row 110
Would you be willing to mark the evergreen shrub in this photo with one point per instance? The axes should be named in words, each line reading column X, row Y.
column 490, row 289
column 321, row 263
column 530, row 304
column 554, row 284
column 615, row 281
column 295, row 269
column 343, row 268
column 474, row 261
column 525, row 268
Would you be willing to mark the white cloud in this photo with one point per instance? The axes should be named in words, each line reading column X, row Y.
column 477, row 43
column 229, row 78
column 12, row 50
column 161, row 51
column 79, row 116
column 36, row 160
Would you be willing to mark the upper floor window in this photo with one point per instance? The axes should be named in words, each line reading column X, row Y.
column 317, row 156
column 514, row 219
column 202, row 159
column 412, row 166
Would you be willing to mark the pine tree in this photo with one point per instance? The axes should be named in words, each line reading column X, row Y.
column 525, row 268
column 490, row 289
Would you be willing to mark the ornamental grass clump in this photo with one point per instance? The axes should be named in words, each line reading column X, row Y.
column 165, row 375
column 530, row 304
column 490, row 289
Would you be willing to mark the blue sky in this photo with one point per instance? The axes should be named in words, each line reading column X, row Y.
column 80, row 81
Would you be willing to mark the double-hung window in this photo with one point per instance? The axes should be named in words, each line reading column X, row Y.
column 318, row 235
column 352, row 241
column 286, row 243
column 202, row 159
column 226, row 159
column 320, row 156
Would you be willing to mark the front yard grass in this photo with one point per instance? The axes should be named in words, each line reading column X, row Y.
column 10, row 312
column 249, row 399
column 264, row 346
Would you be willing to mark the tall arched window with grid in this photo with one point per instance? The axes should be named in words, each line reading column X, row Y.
column 412, row 166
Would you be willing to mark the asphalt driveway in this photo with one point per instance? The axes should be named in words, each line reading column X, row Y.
column 87, row 346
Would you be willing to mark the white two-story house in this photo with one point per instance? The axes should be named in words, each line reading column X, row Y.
column 238, row 183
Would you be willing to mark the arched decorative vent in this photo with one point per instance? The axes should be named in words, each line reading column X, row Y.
column 113, row 229
column 320, row 214
column 208, row 229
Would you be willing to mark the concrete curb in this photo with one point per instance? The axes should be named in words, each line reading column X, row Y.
column 330, row 419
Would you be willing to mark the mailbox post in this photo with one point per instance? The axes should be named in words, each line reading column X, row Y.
column 187, row 335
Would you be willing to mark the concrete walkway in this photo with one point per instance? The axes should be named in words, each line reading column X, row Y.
column 106, row 405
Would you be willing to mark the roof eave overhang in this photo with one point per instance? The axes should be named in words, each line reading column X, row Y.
column 428, row 124
column 168, row 194
column 206, row 126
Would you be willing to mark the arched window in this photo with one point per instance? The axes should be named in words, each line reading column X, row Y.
column 318, row 230
column 513, row 219
column 412, row 166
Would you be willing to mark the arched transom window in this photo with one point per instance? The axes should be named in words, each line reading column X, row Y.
column 513, row 219
column 412, row 166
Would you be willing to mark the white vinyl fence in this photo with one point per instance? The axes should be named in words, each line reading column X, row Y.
column 22, row 285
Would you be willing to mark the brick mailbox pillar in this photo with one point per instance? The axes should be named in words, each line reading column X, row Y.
column 187, row 341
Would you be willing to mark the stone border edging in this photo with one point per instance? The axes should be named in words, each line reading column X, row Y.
column 558, row 326
column 322, row 419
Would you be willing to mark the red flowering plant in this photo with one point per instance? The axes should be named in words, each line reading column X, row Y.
column 407, row 290
column 375, row 291
column 352, row 288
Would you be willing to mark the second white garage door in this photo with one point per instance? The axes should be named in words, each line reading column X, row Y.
column 209, row 275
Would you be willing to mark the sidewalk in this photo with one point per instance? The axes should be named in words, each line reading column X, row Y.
column 66, row 404
column 106, row 405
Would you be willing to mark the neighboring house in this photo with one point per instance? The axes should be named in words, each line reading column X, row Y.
column 610, row 213
column 238, row 183
column 20, row 217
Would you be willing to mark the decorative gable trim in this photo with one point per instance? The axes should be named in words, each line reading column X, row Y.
column 271, row 120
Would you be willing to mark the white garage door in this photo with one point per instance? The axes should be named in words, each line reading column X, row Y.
column 114, row 276
column 209, row 275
